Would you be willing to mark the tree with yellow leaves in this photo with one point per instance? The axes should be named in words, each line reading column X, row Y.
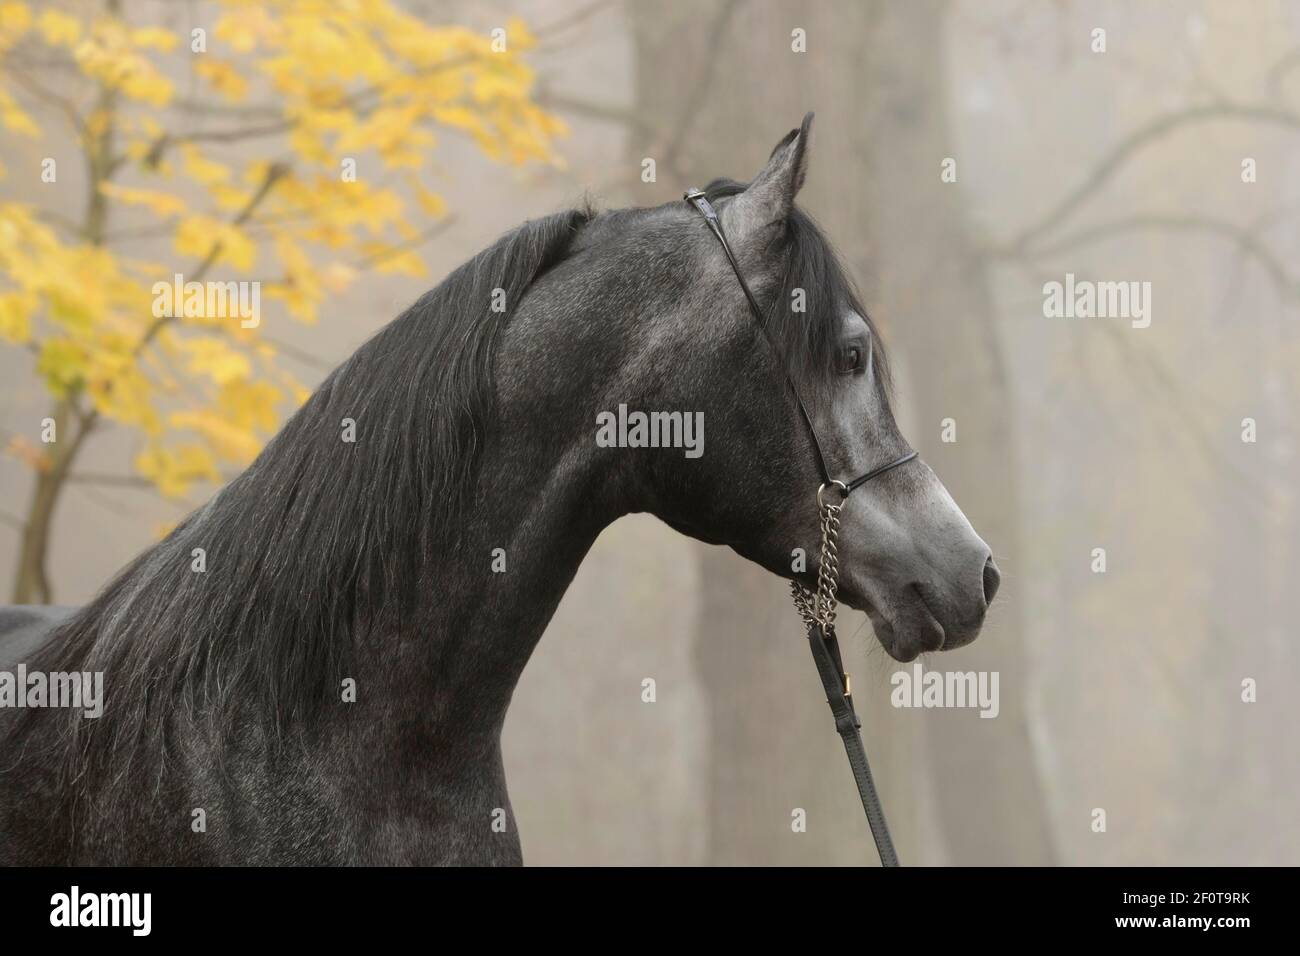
column 141, row 344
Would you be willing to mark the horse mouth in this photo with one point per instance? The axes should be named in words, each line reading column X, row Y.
column 908, row 630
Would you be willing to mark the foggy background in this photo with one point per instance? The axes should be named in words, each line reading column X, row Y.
column 1119, row 690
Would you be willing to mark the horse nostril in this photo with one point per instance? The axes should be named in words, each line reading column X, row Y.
column 992, row 578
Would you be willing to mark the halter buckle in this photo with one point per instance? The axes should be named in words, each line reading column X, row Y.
column 700, row 200
column 848, row 688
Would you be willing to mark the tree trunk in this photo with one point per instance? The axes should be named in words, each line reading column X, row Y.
column 723, row 82
column 934, row 294
column 31, row 582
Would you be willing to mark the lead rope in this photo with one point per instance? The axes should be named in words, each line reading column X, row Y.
column 818, row 609
column 818, row 612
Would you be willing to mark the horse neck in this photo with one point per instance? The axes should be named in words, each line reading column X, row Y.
column 489, row 594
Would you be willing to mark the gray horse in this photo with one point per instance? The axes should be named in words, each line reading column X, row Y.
column 315, row 667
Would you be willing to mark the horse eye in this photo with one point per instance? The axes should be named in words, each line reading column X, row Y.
column 851, row 358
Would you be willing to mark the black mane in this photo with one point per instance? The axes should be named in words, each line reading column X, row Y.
column 300, row 547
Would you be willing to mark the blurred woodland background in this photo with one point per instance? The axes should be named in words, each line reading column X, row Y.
column 1168, row 153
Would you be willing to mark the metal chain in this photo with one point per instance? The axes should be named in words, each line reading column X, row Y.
column 819, row 607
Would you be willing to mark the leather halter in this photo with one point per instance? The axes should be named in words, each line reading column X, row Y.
column 698, row 199
column 820, row 619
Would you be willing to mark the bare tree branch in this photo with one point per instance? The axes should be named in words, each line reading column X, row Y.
column 699, row 93
column 581, row 15
column 201, row 107
column 95, row 478
column 437, row 229
column 1277, row 73
column 61, row 103
column 598, row 111
column 301, row 355
column 1161, row 382
column 1135, row 143
column 1287, row 285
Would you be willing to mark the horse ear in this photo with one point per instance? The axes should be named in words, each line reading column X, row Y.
column 769, row 197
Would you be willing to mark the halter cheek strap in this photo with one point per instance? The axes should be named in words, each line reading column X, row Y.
column 698, row 199
column 817, row 608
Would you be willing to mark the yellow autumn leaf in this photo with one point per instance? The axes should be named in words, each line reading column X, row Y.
column 58, row 28
column 229, row 198
column 245, row 26
column 300, row 291
column 154, row 38
column 215, row 359
column 223, row 78
column 148, row 86
column 461, row 117
column 120, row 391
column 62, row 363
column 162, row 204
column 15, row 18
column 14, row 117
column 337, row 276
column 249, row 404
column 23, row 449
column 391, row 260
column 202, row 169
column 15, row 318
column 228, row 441
column 202, row 236
column 432, row 204
column 300, row 304
column 521, row 38
column 173, row 470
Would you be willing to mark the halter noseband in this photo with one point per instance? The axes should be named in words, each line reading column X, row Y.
column 817, row 608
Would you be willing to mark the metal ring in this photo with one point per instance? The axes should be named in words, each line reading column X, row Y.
column 844, row 492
